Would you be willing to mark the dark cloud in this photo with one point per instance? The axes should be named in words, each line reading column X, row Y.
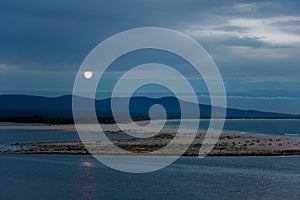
column 52, row 34
column 56, row 34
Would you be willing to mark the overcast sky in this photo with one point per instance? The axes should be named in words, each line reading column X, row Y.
column 255, row 44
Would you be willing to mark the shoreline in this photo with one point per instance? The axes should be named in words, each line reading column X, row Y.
column 229, row 144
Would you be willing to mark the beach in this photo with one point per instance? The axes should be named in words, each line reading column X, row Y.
column 229, row 144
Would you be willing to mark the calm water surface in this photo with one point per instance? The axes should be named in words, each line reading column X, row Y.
column 82, row 177
column 253, row 126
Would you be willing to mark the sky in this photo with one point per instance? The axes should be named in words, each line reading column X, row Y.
column 255, row 44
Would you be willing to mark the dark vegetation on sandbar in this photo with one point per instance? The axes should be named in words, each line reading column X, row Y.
column 60, row 120
column 101, row 120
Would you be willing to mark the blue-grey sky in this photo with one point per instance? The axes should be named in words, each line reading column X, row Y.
column 255, row 44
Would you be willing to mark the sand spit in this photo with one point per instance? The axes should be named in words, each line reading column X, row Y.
column 229, row 144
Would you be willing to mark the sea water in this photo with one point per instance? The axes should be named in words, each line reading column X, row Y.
column 82, row 177
column 284, row 127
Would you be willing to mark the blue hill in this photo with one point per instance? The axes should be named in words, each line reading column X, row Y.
column 26, row 105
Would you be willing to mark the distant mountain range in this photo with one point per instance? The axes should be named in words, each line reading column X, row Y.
column 26, row 106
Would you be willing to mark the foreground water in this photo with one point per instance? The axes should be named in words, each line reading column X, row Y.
column 284, row 127
column 82, row 177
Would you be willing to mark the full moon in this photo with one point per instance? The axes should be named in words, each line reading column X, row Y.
column 88, row 74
